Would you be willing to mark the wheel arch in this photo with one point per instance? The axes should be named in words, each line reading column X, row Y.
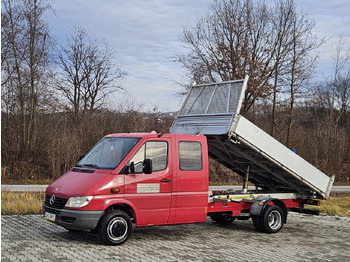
column 123, row 207
column 279, row 202
column 262, row 203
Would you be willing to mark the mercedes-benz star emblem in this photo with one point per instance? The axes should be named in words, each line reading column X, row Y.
column 52, row 199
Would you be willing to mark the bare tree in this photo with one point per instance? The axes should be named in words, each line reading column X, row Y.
column 301, row 62
column 341, row 81
column 232, row 40
column 240, row 37
column 87, row 73
column 333, row 95
column 26, row 55
column 282, row 31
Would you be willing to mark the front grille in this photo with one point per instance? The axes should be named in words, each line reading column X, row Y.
column 59, row 203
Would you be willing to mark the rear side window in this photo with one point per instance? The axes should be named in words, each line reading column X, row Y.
column 190, row 156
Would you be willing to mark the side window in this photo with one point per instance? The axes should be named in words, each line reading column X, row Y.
column 190, row 155
column 138, row 160
column 157, row 151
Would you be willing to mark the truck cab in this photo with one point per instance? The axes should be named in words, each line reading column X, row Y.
column 142, row 178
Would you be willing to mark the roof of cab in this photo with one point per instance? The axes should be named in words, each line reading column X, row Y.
column 140, row 135
column 152, row 134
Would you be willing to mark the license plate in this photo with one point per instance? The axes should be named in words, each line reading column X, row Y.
column 50, row 216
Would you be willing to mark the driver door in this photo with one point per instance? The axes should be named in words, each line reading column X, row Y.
column 151, row 193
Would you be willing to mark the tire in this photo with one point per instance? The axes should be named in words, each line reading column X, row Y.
column 272, row 220
column 115, row 228
column 257, row 223
column 222, row 219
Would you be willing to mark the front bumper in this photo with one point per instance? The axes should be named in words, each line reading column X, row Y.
column 75, row 219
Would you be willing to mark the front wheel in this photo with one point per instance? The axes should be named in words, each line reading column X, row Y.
column 115, row 228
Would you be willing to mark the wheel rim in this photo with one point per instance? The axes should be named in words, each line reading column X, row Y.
column 117, row 228
column 275, row 220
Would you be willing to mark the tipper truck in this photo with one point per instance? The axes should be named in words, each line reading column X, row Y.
column 152, row 179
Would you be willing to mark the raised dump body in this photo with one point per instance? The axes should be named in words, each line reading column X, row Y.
column 214, row 110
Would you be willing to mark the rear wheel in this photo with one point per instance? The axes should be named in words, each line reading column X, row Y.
column 257, row 223
column 115, row 228
column 271, row 221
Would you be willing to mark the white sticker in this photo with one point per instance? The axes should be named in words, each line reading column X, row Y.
column 148, row 188
column 120, row 180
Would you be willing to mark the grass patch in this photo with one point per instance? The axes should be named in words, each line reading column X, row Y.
column 27, row 181
column 337, row 204
column 21, row 203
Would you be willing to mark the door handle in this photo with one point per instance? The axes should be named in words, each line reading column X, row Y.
column 165, row 180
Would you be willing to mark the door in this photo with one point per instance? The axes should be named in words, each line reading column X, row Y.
column 151, row 193
column 190, row 194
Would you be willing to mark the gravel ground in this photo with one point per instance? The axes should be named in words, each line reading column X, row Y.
column 303, row 238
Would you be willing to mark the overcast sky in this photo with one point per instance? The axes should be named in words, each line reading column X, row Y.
column 145, row 34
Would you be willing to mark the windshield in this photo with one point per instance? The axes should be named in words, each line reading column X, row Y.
column 108, row 152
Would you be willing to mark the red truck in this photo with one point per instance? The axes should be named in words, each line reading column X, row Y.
column 150, row 179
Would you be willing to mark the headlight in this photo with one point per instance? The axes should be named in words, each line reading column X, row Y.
column 78, row 201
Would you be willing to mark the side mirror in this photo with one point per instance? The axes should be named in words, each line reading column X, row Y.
column 132, row 168
column 147, row 166
column 80, row 158
column 128, row 169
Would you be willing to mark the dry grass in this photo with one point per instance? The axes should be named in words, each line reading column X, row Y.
column 21, row 203
column 336, row 205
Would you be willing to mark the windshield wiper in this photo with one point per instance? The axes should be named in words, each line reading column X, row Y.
column 90, row 165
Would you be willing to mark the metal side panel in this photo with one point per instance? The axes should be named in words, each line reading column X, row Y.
column 295, row 167
column 204, row 124
column 210, row 108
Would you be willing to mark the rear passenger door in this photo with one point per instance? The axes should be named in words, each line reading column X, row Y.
column 191, row 185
